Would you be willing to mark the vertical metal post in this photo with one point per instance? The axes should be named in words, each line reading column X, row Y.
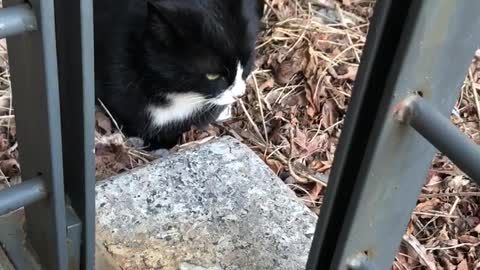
column 74, row 25
column 33, row 66
column 74, row 239
column 380, row 164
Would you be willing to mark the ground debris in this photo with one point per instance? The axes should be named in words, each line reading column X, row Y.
column 307, row 60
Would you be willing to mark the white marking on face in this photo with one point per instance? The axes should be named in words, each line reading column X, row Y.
column 181, row 106
column 236, row 90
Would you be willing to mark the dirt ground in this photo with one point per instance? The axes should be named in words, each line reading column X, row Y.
column 308, row 57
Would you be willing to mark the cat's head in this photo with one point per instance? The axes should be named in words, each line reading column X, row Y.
column 203, row 48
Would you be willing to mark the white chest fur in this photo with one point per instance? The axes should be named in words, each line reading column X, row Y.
column 181, row 106
column 184, row 105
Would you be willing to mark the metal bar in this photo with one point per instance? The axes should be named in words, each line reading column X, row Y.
column 74, row 21
column 16, row 20
column 378, row 55
column 74, row 239
column 34, row 76
column 14, row 240
column 22, row 195
column 440, row 132
column 360, row 262
column 380, row 164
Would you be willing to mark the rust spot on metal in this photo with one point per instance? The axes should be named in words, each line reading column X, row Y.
column 405, row 110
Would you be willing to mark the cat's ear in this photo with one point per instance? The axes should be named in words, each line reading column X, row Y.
column 168, row 9
column 160, row 23
column 158, row 10
column 164, row 14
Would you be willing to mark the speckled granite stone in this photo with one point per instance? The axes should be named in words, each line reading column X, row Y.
column 214, row 207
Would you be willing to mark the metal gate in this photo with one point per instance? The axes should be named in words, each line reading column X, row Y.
column 403, row 95
column 50, row 46
column 415, row 61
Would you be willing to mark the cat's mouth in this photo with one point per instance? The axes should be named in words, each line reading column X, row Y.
column 225, row 98
column 235, row 91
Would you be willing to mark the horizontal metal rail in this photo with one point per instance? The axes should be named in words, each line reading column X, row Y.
column 22, row 195
column 441, row 133
column 16, row 20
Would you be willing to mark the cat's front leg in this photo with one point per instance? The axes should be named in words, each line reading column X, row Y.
column 162, row 141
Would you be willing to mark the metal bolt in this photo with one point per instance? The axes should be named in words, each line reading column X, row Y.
column 360, row 262
column 404, row 111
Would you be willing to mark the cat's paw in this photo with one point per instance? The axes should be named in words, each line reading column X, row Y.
column 160, row 153
column 135, row 142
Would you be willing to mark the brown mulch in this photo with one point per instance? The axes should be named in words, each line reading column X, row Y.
column 308, row 56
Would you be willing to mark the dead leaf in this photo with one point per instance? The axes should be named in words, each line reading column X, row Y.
column 428, row 205
column 477, row 228
column 315, row 192
column 329, row 114
column 268, row 84
column 312, row 64
column 103, row 122
column 326, row 3
column 351, row 74
column 308, row 146
column 468, row 239
column 311, row 112
column 463, row 265
column 425, row 258
column 283, row 9
column 10, row 167
column 285, row 71
column 275, row 165
column 4, row 143
column 295, row 100
column 457, row 182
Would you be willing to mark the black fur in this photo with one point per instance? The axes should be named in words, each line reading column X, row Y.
column 146, row 49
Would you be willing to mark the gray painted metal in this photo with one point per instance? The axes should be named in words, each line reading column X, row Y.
column 22, row 195
column 16, row 20
column 396, row 159
column 77, row 95
column 400, row 158
column 440, row 132
column 13, row 239
column 360, row 262
column 74, row 239
column 33, row 67
column 5, row 263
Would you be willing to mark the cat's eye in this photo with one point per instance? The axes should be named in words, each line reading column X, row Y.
column 213, row 77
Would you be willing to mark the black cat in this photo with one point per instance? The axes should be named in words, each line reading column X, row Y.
column 164, row 65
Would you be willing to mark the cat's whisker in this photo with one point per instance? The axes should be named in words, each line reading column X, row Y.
column 197, row 102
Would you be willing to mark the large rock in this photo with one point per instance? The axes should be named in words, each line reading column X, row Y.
column 217, row 206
